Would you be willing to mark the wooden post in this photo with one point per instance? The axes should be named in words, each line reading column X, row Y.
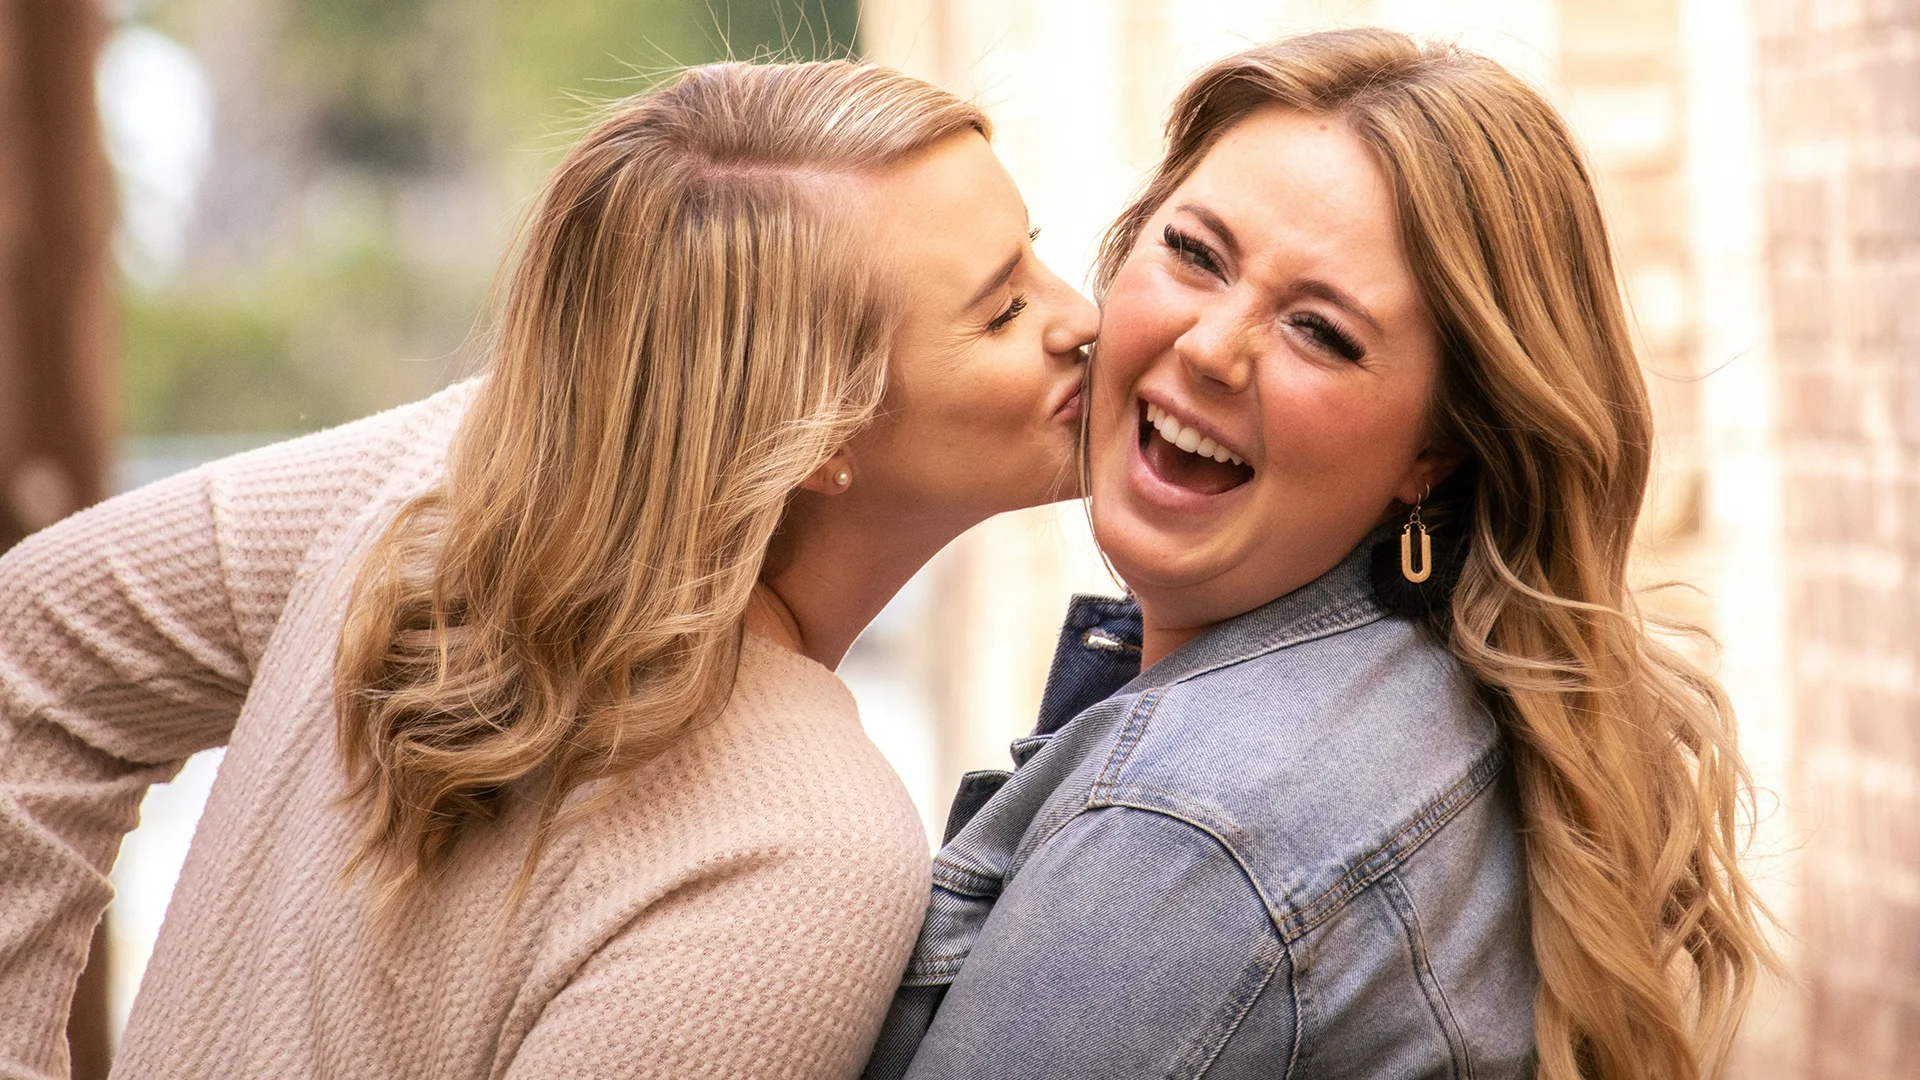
column 56, row 217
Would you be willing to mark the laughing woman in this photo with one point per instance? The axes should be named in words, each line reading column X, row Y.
column 536, row 765
column 1405, row 789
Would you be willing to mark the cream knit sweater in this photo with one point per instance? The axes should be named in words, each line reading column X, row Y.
column 744, row 909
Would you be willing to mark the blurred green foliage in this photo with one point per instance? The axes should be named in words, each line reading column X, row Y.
column 359, row 310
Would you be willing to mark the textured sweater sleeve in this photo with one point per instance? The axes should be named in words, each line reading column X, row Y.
column 118, row 659
column 762, row 964
column 128, row 635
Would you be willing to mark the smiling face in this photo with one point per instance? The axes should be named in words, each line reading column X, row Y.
column 1261, row 387
column 983, row 399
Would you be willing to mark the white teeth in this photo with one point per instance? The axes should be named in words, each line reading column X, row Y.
column 1187, row 438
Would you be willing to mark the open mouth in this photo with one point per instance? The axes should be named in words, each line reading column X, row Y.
column 1185, row 458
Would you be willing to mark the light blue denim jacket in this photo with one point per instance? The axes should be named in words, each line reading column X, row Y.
column 1288, row 849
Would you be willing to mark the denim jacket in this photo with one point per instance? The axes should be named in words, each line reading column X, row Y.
column 1288, row 849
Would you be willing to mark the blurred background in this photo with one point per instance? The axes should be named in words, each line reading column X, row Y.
column 223, row 222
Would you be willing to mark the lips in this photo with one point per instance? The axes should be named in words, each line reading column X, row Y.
column 1182, row 457
column 1072, row 400
column 1070, row 409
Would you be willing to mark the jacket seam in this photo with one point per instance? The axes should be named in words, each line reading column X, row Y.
column 1131, row 735
column 1292, row 921
column 1350, row 616
column 1302, row 1007
column 1244, row 1002
column 1226, row 845
column 966, row 882
column 1383, row 859
column 1401, row 904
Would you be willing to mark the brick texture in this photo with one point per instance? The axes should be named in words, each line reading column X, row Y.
column 1840, row 122
column 1620, row 73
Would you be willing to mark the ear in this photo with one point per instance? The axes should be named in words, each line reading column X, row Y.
column 1429, row 468
column 833, row 477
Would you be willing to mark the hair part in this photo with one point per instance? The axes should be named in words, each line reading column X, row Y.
column 690, row 326
column 1633, row 795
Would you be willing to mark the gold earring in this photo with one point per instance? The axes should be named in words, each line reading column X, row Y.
column 1406, row 545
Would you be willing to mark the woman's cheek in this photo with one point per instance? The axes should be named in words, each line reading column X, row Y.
column 1144, row 321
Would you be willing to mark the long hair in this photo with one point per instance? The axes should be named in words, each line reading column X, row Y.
column 688, row 329
column 1633, row 795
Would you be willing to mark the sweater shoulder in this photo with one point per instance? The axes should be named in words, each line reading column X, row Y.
column 782, row 788
column 282, row 507
column 785, row 766
column 401, row 446
column 811, row 742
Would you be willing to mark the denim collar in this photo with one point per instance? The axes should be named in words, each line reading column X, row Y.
column 1098, row 654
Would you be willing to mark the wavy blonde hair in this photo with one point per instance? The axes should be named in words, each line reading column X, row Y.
column 1633, row 794
column 689, row 328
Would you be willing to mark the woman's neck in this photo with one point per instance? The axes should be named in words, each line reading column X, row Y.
column 1157, row 641
column 838, row 561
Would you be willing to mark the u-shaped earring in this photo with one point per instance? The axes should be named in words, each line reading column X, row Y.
column 1426, row 544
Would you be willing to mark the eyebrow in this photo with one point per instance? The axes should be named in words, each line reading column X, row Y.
column 999, row 278
column 1324, row 290
column 1213, row 221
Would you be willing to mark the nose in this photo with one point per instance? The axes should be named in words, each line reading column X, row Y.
column 1215, row 350
column 1076, row 325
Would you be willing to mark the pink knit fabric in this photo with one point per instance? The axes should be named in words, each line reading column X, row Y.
column 742, row 909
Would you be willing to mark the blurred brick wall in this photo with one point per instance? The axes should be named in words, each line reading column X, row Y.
column 1840, row 123
column 1621, row 84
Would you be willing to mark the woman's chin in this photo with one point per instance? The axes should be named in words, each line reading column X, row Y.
column 1148, row 557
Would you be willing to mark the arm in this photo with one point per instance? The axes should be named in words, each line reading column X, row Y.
column 119, row 657
column 128, row 638
column 1133, row 944
column 1130, row 944
column 761, row 965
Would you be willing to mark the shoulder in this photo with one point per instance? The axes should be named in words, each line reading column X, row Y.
column 1321, row 763
column 794, row 731
column 783, row 775
column 1359, row 781
column 777, row 810
column 403, row 446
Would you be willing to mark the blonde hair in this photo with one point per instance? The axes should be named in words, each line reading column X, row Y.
column 690, row 327
column 1632, row 792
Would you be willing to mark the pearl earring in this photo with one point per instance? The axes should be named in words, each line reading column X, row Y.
column 842, row 478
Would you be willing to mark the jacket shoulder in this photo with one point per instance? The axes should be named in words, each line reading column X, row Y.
column 1321, row 765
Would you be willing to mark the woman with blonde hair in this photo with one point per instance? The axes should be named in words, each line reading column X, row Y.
column 1405, row 788
column 535, row 764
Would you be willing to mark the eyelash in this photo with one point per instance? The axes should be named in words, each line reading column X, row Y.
column 1197, row 254
column 1328, row 335
column 1014, row 307
column 1190, row 250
